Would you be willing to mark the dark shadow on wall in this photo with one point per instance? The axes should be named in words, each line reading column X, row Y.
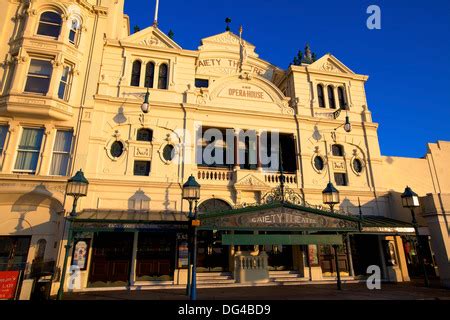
column 139, row 201
column 31, row 201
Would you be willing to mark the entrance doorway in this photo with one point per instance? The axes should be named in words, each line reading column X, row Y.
column 280, row 257
column 111, row 257
column 14, row 253
column 212, row 256
column 155, row 257
column 328, row 260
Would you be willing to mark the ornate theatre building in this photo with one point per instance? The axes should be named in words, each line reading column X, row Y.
column 263, row 143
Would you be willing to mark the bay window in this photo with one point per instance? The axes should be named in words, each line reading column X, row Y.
column 50, row 24
column 39, row 75
column 64, row 84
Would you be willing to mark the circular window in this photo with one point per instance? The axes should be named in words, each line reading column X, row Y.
column 319, row 163
column 169, row 152
column 117, row 149
column 357, row 165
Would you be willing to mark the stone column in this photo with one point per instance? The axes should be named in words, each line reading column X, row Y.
column 236, row 149
column 258, row 150
column 349, row 256
column 436, row 211
column 401, row 258
column 134, row 259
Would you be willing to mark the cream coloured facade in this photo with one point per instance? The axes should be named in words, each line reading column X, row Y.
column 72, row 85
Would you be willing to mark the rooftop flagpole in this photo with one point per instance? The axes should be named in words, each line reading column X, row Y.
column 155, row 20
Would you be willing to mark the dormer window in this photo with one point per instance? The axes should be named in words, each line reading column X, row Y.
column 341, row 97
column 149, row 75
column 163, row 75
column 331, row 98
column 320, row 96
column 50, row 24
column 136, row 73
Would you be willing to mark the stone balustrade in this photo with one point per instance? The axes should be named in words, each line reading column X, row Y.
column 251, row 267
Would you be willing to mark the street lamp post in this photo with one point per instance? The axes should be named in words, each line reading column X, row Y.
column 191, row 193
column 410, row 200
column 77, row 187
column 331, row 197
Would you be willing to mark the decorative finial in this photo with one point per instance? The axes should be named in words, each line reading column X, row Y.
column 308, row 54
column 241, row 30
column 227, row 21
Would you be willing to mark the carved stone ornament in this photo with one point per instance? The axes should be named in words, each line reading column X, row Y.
column 250, row 180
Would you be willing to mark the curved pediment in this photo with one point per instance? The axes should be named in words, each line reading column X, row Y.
column 249, row 92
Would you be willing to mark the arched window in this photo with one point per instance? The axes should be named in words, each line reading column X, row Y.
column 136, row 73
column 144, row 135
column 50, row 24
column 341, row 97
column 163, row 74
column 321, row 96
column 331, row 98
column 74, row 33
column 213, row 205
column 149, row 75
column 337, row 150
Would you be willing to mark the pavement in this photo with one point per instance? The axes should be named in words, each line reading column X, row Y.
column 350, row 291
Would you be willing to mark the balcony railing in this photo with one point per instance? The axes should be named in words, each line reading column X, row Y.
column 274, row 178
column 208, row 174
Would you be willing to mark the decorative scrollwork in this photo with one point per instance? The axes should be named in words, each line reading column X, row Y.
column 288, row 195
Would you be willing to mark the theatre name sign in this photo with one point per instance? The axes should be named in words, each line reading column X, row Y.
column 279, row 218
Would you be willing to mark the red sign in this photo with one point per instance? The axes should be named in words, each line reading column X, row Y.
column 8, row 284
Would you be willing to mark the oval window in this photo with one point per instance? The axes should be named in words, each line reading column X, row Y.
column 117, row 149
column 357, row 165
column 319, row 164
column 169, row 152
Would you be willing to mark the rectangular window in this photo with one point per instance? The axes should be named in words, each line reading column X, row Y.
column 142, row 168
column 29, row 150
column 201, row 83
column 340, row 179
column 39, row 75
column 61, row 153
column 3, row 133
column 64, row 84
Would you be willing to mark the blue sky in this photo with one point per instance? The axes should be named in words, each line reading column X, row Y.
column 407, row 60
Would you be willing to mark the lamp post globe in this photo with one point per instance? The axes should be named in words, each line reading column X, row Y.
column 330, row 195
column 191, row 189
column 77, row 187
column 410, row 200
column 146, row 105
column 347, row 125
column 191, row 193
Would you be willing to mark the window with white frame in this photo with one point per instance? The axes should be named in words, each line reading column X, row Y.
column 39, row 75
column 61, row 153
column 29, row 150
column 64, row 84
column 3, row 133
